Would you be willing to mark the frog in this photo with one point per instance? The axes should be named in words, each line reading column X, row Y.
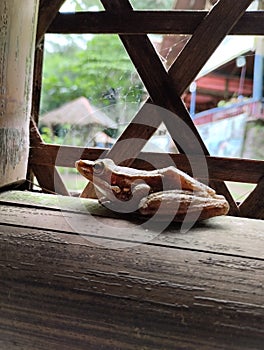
column 168, row 191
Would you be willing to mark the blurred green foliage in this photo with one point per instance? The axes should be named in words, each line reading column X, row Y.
column 81, row 5
column 102, row 72
column 96, row 67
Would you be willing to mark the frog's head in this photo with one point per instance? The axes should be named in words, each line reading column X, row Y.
column 98, row 169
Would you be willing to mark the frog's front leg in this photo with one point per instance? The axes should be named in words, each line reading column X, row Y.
column 125, row 200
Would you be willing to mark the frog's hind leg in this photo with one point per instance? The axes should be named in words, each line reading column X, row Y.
column 180, row 180
column 179, row 205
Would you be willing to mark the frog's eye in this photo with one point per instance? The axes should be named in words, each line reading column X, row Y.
column 98, row 168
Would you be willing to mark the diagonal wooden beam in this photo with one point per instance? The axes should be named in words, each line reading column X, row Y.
column 253, row 205
column 47, row 12
column 136, row 127
column 159, row 84
column 199, row 48
column 133, row 47
column 204, row 41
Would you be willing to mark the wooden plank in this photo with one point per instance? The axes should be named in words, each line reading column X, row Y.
column 219, row 168
column 253, row 205
column 80, row 296
column 47, row 12
column 59, row 155
column 155, row 22
column 88, row 219
column 45, row 201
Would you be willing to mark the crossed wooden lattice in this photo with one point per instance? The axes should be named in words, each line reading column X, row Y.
column 165, row 89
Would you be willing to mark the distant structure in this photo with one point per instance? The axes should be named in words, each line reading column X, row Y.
column 234, row 70
column 77, row 112
column 78, row 122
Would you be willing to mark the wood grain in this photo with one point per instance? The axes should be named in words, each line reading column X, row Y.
column 219, row 168
column 194, row 290
column 68, row 215
column 155, row 22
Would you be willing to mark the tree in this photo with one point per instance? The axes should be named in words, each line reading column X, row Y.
column 95, row 72
column 97, row 68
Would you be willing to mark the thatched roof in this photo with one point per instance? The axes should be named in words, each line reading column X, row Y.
column 77, row 112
